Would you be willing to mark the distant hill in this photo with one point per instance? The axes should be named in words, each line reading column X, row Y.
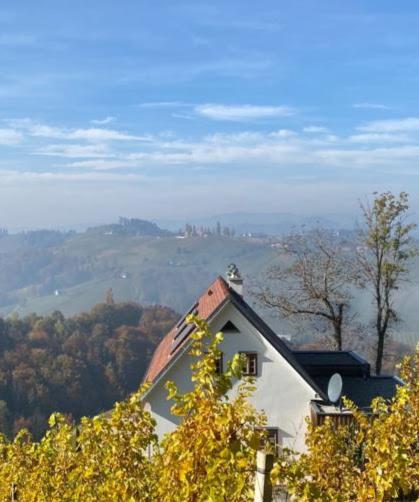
column 72, row 272
column 130, row 226
column 44, row 271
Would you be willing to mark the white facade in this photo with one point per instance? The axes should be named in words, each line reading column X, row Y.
column 282, row 392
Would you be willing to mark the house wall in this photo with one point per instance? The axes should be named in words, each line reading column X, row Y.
column 281, row 392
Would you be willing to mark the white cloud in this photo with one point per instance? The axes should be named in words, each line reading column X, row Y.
column 10, row 176
column 106, row 120
column 392, row 157
column 10, row 137
column 242, row 113
column 371, row 106
column 75, row 151
column 282, row 133
column 95, row 134
column 392, row 125
column 315, row 129
column 103, row 164
column 36, row 129
column 368, row 138
column 281, row 149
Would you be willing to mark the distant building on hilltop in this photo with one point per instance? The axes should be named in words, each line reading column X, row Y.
column 290, row 385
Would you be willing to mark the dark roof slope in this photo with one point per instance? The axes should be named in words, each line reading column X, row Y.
column 273, row 339
column 363, row 390
column 327, row 362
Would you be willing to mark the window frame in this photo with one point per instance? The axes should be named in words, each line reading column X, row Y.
column 246, row 372
column 272, row 439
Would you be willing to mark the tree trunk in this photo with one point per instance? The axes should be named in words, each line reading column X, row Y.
column 380, row 353
column 337, row 325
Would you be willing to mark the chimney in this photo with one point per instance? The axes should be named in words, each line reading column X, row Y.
column 234, row 279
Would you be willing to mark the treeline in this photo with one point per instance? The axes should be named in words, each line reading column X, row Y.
column 79, row 365
column 201, row 231
column 131, row 226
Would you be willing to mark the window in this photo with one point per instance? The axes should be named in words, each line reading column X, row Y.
column 271, row 441
column 272, row 436
column 219, row 365
column 250, row 367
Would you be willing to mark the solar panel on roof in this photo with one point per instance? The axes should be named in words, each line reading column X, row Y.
column 181, row 337
column 182, row 322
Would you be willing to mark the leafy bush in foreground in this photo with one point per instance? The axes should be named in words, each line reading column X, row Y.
column 210, row 456
column 375, row 458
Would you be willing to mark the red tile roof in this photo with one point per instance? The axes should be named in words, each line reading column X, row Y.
column 206, row 305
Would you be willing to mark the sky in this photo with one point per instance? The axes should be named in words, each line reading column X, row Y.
column 185, row 109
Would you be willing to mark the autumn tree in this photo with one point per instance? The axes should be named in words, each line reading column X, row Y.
column 315, row 286
column 374, row 458
column 211, row 454
column 385, row 249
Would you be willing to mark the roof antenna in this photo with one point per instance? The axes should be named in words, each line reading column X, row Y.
column 234, row 279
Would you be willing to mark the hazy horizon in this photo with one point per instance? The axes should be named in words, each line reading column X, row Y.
column 191, row 109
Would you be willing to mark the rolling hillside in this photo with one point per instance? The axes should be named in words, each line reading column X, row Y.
column 75, row 274
column 46, row 271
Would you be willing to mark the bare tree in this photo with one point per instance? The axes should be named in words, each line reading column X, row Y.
column 385, row 247
column 316, row 286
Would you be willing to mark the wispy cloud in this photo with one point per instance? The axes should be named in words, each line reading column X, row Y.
column 10, row 137
column 392, row 125
column 13, row 176
column 89, row 134
column 106, row 120
column 371, row 106
column 242, row 113
column 369, row 138
column 103, row 164
column 389, row 144
column 75, row 151
column 282, row 149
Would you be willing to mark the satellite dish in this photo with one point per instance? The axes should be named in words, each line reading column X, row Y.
column 334, row 388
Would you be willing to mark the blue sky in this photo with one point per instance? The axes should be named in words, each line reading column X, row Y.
column 181, row 109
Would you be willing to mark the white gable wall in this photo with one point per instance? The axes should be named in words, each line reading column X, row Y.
column 281, row 392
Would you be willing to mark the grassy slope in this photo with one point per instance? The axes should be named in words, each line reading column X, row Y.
column 167, row 271
column 173, row 272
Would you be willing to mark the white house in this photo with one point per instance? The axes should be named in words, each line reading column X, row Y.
column 290, row 385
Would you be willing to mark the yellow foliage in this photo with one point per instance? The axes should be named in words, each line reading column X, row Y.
column 375, row 458
column 108, row 458
column 103, row 459
column 211, row 454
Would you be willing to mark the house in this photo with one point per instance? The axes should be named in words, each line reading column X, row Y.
column 290, row 385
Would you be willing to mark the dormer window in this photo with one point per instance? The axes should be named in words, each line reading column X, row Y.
column 250, row 367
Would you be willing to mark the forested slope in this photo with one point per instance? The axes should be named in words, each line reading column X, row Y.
column 78, row 365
